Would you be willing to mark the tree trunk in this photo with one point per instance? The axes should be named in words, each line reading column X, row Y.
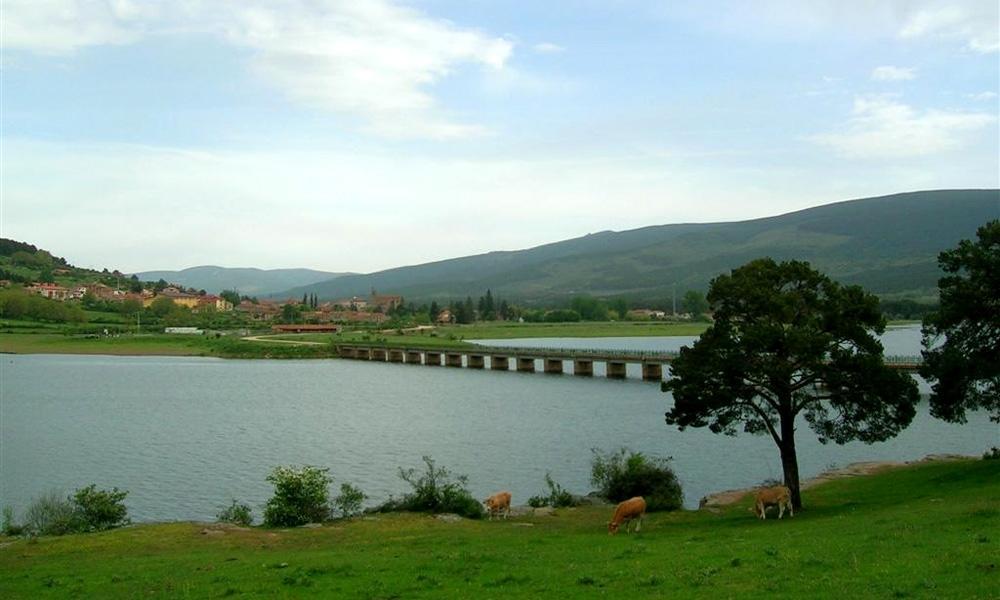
column 789, row 461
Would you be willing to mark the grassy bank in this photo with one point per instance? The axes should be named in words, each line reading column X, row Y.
column 156, row 345
column 926, row 531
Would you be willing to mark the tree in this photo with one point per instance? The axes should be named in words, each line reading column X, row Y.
column 161, row 305
column 787, row 341
column 694, row 303
column 964, row 368
column 134, row 285
column 230, row 296
column 620, row 306
column 433, row 311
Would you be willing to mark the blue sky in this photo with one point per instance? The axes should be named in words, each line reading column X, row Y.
column 362, row 135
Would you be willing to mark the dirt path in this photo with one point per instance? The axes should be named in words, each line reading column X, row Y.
column 713, row 502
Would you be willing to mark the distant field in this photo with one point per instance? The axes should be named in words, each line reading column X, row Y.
column 928, row 531
column 156, row 345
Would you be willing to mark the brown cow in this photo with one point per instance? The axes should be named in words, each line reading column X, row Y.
column 779, row 496
column 633, row 509
column 498, row 503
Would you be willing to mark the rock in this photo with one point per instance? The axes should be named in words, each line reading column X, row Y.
column 448, row 517
column 312, row 526
column 207, row 531
column 543, row 511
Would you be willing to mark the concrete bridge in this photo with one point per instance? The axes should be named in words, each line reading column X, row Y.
column 528, row 360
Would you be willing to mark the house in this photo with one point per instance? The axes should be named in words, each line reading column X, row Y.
column 210, row 300
column 445, row 316
column 179, row 297
column 262, row 311
column 49, row 290
column 352, row 303
column 385, row 303
column 645, row 313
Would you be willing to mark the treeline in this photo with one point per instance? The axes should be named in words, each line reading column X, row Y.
column 18, row 304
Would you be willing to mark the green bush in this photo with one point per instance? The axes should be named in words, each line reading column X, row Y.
column 435, row 490
column 99, row 510
column 348, row 503
column 9, row 527
column 50, row 514
column 992, row 454
column 624, row 474
column 301, row 495
column 236, row 513
column 558, row 497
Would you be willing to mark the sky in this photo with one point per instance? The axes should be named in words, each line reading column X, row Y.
column 360, row 135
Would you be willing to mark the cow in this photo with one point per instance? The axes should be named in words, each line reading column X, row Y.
column 633, row 509
column 498, row 503
column 779, row 496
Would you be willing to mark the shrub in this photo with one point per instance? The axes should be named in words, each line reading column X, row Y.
column 99, row 510
column 436, row 490
column 348, row 503
column 49, row 514
column 300, row 496
column 9, row 527
column 992, row 454
column 236, row 513
column 623, row 474
column 558, row 497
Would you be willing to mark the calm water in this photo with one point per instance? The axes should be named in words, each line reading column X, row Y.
column 185, row 435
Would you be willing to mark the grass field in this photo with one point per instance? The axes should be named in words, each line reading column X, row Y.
column 156, row 345
column 926, row 531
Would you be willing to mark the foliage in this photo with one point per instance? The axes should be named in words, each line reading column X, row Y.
column 18, row 304
column 557, row 497
column 625, row 474
column 435, row 490
column 589, row 308
column 99, row 510
column 50, row 514
column 348, row 502
column 236, row 513
column 301, row 495
column 8, row 526
column 964, row 369
column 561, row 315
column 992, row 454
column 694, row 302
column 787, row 340
column 161, row 306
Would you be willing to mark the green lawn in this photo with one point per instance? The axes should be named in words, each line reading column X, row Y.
column 928, row 531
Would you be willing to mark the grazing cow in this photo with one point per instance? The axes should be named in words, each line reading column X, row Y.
column 498, row 503
column 779, row 496
column 633, row 509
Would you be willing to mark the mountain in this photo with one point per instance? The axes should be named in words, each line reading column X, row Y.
column 887, row 244
column 251, row 282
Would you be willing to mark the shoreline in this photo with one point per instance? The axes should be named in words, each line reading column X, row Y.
column 715, row 501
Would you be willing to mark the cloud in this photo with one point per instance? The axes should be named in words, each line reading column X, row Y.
column 890, row 73
column 370, row 59
column 882, row 128
column 975, row 22
column 548, row 48
column 982, row 96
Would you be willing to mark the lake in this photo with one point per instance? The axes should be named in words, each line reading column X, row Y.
column 187, row 435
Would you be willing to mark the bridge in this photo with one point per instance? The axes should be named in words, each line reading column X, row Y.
column 551, row 360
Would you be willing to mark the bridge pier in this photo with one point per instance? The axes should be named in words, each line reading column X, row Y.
column 363, row 353
column 413, row 358
column 477, row 361
column 554, row 366
column 583, row 367
column 499, row 363
column 395, row 356
column 346, row 351
column 432, row 359
column 525, row 365
column 616, row 370
column 379, row 354
column 652, row 371
column 452, row 359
